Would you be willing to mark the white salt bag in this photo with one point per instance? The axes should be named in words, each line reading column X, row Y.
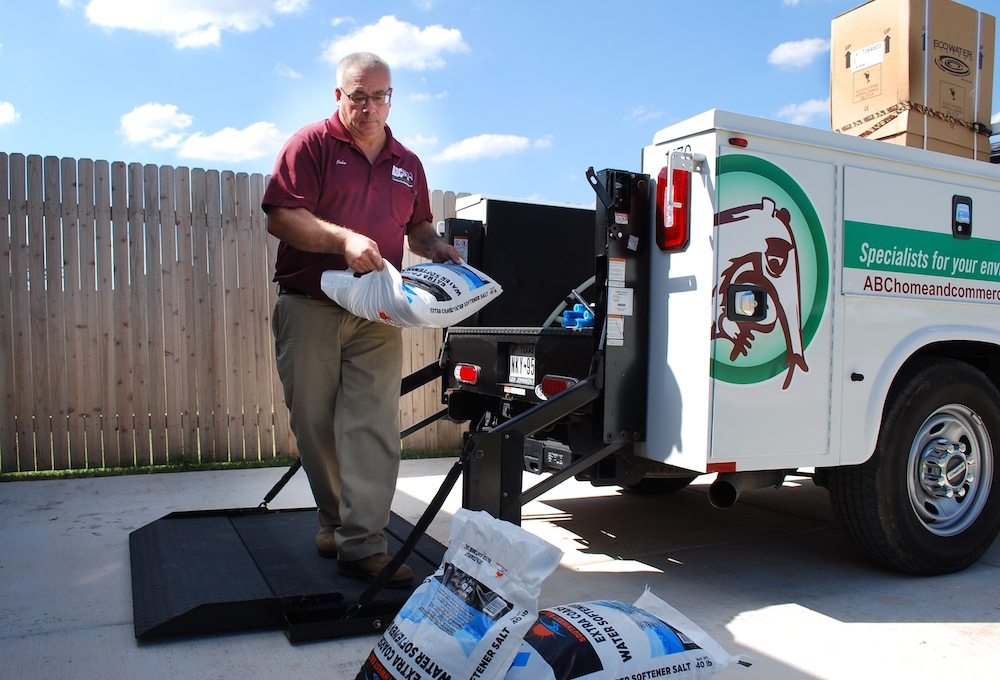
column 468, row 618
column 432, row 295
column 609, row 640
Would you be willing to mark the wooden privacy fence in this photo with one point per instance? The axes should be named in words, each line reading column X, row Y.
column 135, row 311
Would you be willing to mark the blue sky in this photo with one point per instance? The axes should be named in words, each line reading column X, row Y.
column 508, row 98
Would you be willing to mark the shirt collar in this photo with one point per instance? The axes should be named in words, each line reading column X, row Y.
column 337, row 130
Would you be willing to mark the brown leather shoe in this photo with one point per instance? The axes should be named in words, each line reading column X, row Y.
column 325, row 544
column 369, row 567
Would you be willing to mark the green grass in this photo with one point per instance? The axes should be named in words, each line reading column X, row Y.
column 414, row 454
column 190, row 466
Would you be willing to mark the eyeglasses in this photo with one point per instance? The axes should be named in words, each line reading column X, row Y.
column 379, row 98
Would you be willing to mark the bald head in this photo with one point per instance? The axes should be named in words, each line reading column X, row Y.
column 362, row 61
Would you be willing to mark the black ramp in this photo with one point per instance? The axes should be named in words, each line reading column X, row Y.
column 184, row 570
column 283, row 546
column 228, row 570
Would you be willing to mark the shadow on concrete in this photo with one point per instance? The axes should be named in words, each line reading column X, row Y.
column 774, row 547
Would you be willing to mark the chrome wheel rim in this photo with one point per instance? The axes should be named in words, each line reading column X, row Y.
column 950, row 470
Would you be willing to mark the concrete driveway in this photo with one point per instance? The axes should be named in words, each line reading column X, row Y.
column 771, row 579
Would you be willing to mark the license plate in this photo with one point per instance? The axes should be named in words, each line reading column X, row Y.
column 522, row 365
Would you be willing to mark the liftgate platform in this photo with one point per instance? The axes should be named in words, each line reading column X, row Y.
column 214, row 571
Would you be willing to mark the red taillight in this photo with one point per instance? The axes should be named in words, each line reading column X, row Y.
column 673, row 212
column 739, row 141
column 554, row 384
column 467, row 373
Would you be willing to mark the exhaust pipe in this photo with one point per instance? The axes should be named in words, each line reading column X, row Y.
column 728, row 486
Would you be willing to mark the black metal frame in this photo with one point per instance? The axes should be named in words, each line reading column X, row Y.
column 495, row 459
column 493, row 462
column 480, row 449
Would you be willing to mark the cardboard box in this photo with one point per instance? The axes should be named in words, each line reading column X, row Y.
column 914, row 72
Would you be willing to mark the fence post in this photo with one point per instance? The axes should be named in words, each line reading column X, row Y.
column 8, row 432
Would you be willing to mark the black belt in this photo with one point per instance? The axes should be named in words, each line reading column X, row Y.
column 288, row 290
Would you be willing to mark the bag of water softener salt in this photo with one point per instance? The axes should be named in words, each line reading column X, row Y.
column 468, row 618
column 431, row 295
column 609, row 640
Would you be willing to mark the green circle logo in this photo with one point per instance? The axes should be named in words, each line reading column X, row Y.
column 770, row 239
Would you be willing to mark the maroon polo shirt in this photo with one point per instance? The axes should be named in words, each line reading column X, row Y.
column 322, row 170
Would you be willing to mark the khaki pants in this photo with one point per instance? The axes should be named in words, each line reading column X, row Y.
column 341, row 376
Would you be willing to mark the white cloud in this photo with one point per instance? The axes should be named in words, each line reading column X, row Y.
column 492, row 146
column 7, row 113
column 286, row 71
column 157, row 124
column 420, row 140
column 256, row 141
column 201, row 38
column 191, row 23
column 642, row 114
column 401, row 44
column 802, row 114
column 337, row 21
column 162, row 126
column 167, row 141
column 793, row 55
column 790, row 3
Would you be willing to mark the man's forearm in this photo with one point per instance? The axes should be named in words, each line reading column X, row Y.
column 301, row 229
column 423, row 240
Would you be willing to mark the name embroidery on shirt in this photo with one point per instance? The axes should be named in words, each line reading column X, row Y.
column 340, row 162
column 402, row 176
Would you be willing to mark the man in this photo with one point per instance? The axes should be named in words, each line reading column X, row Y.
column 342, row 195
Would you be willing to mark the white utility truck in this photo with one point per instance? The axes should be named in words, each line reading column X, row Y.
column 768, row 299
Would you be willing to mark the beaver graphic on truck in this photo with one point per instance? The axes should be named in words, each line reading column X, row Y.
column 763, row 235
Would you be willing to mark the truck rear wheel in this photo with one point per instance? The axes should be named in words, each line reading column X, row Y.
column 928, row 500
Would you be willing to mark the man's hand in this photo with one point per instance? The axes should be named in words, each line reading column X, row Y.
column 424, row 241
column 442, row 251
column 362, row 254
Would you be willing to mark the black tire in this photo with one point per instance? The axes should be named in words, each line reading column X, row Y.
column 896, row 507
column 656, row 485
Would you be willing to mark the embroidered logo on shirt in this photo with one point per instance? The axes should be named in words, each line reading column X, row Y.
column 402, row 176
column 340, row 162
